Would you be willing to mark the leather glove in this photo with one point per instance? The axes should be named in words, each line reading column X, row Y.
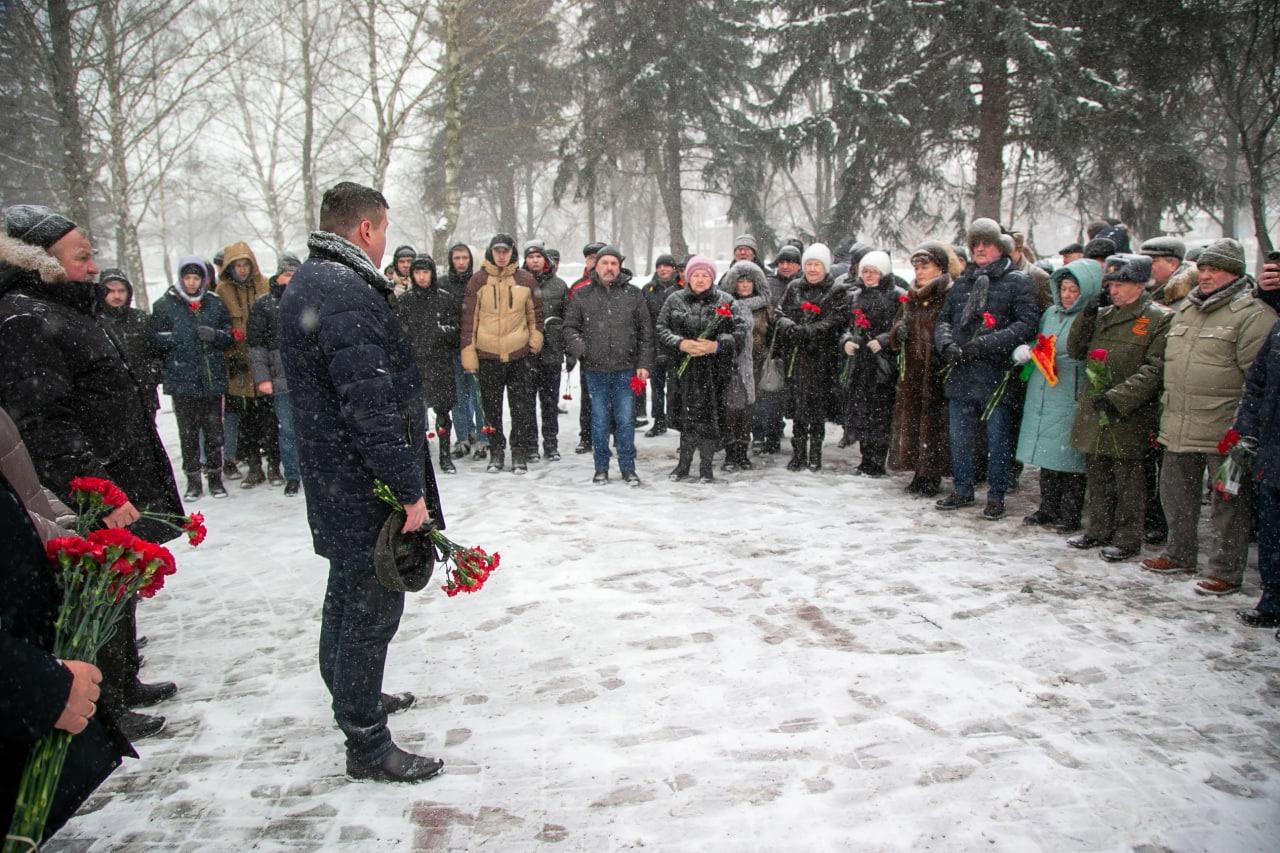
column 951, row 354
column 206, row 333
column 1021, row 354
column 1104, row 406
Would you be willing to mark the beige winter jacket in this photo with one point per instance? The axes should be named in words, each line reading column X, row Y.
column 239, row 299
column 501, row 316
column 1212, row 343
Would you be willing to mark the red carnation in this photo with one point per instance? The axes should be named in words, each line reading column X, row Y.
column 1098, row 354
column 430, row 435
column 637, row 385
column 568, row 396
column 860, row 319
column 988, row 321
column 724, row 310
column 810, row 308
column 195, row 529
column 902, row 298
column 72, row 548
column 238, row 334
column 193, row 307
column 1229, row 440
column 85, row 488
column 442, row 431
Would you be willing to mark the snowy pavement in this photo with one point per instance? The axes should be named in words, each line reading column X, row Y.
column 778, row 662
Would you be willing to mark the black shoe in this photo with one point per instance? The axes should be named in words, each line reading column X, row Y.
column 1156, row 537
column 216, row 489
column 230, row 471
column 1116, row 554
column 994, row 510
column 145, row 695
column 771, row 447
column 928, row 489
column 394, row 703
column 1084, row 542
column 796, row 463
column 630, row 478
column 641, row 422
column 553, row 455
column 135, row 726
column 745, row 463
column 600, row 478
column 845, row 441
column 396, row 766
column 481, row 451
column 274, row 477
column 195, row 489
column 446, row 464
column 1039, row 518
column 255, row 477
column 679, row 473
column 497, row 460
column 584, row 446
column 913, row 488
column 1254, row 619
column 461, row 449
column 953, row 501
column 1062, row 528
column 659, row 428
column 292, row 487
column 519, row 466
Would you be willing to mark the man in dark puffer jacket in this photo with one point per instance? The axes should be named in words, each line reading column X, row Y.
column 360, row 419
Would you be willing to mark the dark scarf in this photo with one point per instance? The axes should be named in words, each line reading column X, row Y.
column 977, row 302
column 331, row 247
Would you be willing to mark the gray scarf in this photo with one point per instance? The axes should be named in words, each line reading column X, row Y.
column 332, row 247
column 1213, row 300
column 977, row 301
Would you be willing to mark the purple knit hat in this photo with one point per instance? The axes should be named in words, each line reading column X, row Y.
column 698, row 262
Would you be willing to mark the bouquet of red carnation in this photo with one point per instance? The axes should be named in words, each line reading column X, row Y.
column 98, row 574
column 1100, row 380
column 860, row 324
column 722, row 312
column 638, row 385
column 466, row 569
column 811, row 311
column 1239, row 453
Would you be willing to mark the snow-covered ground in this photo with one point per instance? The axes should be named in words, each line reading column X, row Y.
column 778, row 662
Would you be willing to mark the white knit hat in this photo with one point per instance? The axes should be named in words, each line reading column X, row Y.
column 817, row 252
column 877, row 260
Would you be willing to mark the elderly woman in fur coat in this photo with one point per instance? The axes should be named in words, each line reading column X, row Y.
column 920, row 442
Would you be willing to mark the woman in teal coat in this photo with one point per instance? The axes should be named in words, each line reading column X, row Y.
column 1045, row 437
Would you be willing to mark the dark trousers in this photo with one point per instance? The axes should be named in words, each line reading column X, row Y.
column 359, row 619
column 658, row 385
column 1269, row 548
column 119, row 660
column 584, row 407
column 548, row 400
column 738, row 429
column 516, row 379
column 767, row 423
column 1181, row 487
column 1154, row 519
column 256, row 430
column 199, row 418
column 1116, row 494
column 1062, row 496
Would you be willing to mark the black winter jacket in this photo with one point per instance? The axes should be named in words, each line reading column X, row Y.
column 131, row 329
column 429, row 316
column 810, row 345
column 1259, row 412
column 357, row 399
column 192, row 367
column 66, row 386
column 609, row 329
column 265, row 364
column 697, row 405
column 555, row 296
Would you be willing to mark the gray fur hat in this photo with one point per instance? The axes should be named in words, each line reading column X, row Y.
column 36, row 225
column 1100, row 248
column 748, row 241
column 984, row 229
column 1164, row 247
column 788, row 253
column 287, row 262
column 1225, row 254
column 1127, row 267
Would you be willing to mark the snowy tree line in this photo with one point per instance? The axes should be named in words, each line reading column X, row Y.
column 176, row 125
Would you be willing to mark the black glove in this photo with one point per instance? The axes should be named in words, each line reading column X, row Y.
column 951, row 354
column 1104, row 406
column 206, row 333
column 570, row 363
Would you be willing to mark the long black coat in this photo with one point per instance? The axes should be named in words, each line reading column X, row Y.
column 357, row 401
column 870, row 378
column 809, row 347
column 429, row 316
column 33, row 685
column 1011, row 301
column 697, row 401
column 66, row 386
column 131, row 329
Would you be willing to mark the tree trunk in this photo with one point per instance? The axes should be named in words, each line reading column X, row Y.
column 71, row 132
column 310, row 189
column 164, row 236
column 1254, row 156
column 669, row 186
column 993, row 127
column 650, row 224
column 452, row 70
column 1231, row 186
column 591, row 216
column 507, row 206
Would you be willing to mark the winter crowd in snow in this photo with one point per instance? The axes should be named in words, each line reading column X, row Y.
column 1134, row 381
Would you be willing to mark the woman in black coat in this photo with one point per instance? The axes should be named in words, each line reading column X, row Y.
column 869, row 371
column 429, row 315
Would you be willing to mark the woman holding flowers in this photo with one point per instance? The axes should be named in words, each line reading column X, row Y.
column 811, row 316
column 1117, row 407
column 868, row 372
column 701, row 323
column 1054, row 383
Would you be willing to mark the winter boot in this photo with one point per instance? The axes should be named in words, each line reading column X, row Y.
column 815, row 448
column 461, row 449
column 685, row 459
column 519, row 462
column 730, row 464
column 551, row 450
column 291, row 488
column 659, row 428
column 481, row 451
column 274, row 477
column 446, row 458
column 194, row 487
column 744, row 458
column 230, row 471
column 497, row 458
column 706, row 461
column 799, row 453
column 216, row 489
column 255, row 477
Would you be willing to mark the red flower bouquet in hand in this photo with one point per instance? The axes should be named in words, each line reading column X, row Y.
column 466, row 569
column 97, row 493
column 811, row 311
column 638, row 385
column 1100, row 380
column 722, row 312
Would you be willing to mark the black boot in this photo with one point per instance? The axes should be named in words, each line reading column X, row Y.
column 659, row 428
column 255, row 477
column 195, row 488
column 684, row 461
column 274, row 477
column 706, row 461
column 744, row 458
column 497, row 458
column 396, row 766
column 216, row 489
column 230, row 471
column 799, row 452
column 815, row 448
column 446, row 458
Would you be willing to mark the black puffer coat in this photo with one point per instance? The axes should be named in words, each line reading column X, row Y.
column 1008, row 296
column 66, row 386
column 870, row 378
column 696, row 403
column 357, row 399
column 131, row 329
column 609, row 328
column 810, row 347
column 555, row 295
column 265, row 363
column 430, row 320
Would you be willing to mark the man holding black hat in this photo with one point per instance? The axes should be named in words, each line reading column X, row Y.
column 501, row 337
column 361, row 421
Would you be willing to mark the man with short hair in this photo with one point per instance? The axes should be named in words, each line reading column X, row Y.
column 468, row 411
column 131, row 329
column 398, row 273
column 1213, row 340
column 554, row 293
column 268, row 368
column 608, row 328
column 361, row 424
column 584, row 393
column 665, row 281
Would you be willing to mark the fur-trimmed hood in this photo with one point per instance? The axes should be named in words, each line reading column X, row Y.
column 16, row 255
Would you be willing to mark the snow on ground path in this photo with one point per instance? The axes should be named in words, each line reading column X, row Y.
column 781, row 662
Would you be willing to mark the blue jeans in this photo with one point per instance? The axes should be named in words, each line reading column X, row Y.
column 359, row 619
column 965, row 422
column 1268, row 504
column 288, row 438
column 467, row 417
column 612, row 403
